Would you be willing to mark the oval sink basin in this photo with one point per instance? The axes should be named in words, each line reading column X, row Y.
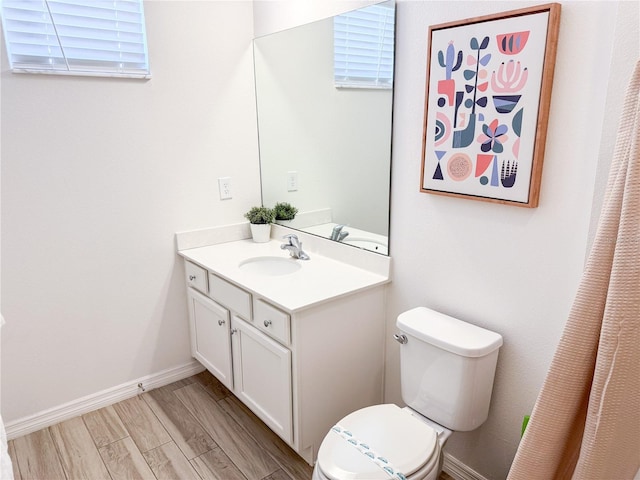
column 270, row 266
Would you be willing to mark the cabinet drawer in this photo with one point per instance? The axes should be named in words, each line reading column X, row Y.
column 196, row 276
column 232, row 297
column 271, row 320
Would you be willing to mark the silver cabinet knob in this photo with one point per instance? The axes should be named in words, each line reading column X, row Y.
column 267, row 323
column 192, row 278
column 234, row 330
column 221, row 322
column 402, row 339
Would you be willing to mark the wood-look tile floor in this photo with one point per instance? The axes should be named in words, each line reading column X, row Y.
column 191, row 429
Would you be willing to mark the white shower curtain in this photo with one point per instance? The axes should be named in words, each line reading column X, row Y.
column 586, row 420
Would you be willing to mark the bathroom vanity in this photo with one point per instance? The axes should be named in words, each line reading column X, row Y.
column 301, row 343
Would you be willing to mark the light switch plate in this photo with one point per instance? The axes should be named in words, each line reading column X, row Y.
column 292, row 181
column 224, row 185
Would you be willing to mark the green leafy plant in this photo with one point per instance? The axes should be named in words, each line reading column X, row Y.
column 260, row 215
column 285, row 211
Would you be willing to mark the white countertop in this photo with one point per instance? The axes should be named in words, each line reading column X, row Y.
column 318, row 280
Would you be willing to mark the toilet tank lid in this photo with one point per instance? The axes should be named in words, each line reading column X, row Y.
column 449, row 333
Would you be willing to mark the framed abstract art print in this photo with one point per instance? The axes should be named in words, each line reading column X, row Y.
column 487, row 100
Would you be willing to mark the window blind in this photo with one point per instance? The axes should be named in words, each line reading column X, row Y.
column 78, row 37
column 363, row 47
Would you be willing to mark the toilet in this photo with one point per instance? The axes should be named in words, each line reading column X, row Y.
column 447, row 368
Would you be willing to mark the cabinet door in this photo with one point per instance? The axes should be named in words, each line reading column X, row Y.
column 262, row 376
column 210, row 336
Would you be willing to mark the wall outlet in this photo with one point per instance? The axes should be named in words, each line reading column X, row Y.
column 292, row 181
column 224, row 185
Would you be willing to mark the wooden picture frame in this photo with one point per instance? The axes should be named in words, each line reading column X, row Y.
column 488, row 92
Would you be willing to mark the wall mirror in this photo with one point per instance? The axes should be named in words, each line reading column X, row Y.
column 325, row 148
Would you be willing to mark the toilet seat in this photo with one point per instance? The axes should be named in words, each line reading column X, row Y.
column 406, row 442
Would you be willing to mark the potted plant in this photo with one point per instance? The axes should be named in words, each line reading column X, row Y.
column 285, row 211
column 260, row 220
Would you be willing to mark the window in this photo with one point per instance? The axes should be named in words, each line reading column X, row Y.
column 76, row 37
column 363, row 47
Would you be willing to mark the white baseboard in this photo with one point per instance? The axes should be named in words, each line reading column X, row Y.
column 46, row 418
column 458, row 470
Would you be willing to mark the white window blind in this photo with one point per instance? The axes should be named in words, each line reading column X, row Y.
column 77, row 37
column 363, row 47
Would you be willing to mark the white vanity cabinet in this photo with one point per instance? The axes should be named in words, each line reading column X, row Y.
column 249, row 363
column 300, row 368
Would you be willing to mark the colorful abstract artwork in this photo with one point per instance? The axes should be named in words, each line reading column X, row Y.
column 487, row 105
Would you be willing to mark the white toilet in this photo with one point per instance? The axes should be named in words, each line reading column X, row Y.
column 446, row 368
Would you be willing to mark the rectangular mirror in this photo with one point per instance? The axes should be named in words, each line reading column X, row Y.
column 325, row 134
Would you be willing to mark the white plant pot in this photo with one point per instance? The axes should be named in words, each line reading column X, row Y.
column 260, row 232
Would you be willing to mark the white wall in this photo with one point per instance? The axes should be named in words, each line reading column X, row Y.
column 97, row 176
column 275, row 15
column 509, row 269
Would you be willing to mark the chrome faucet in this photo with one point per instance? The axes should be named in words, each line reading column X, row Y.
column 294, row 245
column 338, row 234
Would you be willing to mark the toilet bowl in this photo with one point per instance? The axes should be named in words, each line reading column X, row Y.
column 407, row 445
column 447, row 368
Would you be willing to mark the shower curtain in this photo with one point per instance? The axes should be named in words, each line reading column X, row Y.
column 586, row 420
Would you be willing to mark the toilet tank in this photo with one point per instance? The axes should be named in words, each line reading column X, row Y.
column 447, row 368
